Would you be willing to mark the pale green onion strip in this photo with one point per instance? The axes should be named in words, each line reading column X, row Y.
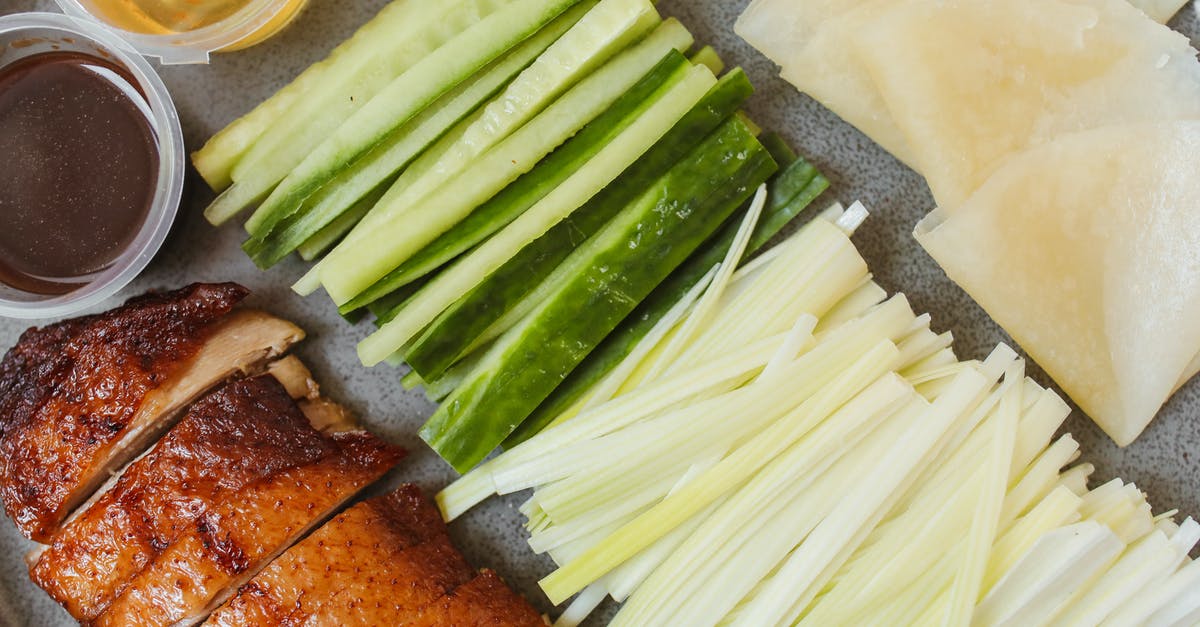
column 608, row 388
column 721, row 479
column 810, row 567
column 708, row 303
column 760, row 502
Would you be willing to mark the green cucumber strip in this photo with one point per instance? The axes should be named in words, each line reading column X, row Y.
column 403, row 98
column 442, row 387
column 312, row 121
column 606, row 30
column 601, row 283
column 303, row 182
column 777, row 214
column 510, row 292
column 348, row 271
column 333, row 232
column 382, row 165
column 416, row 89
column 534, row 185
column 471, row 269
column 709, row 58
column 411, row 381
column 386, row 308
column 216, row 160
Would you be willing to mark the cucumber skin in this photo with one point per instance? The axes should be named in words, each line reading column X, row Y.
column 679, row 212
column 317, row 212
column 531, row 187
column 453, row 332
column 348, row 144
column 624, row 340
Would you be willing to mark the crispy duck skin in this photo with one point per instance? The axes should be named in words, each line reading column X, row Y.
column 387, row 561
column 375, row 563
column 484, row 601
column 77, row 397
column 230, row 442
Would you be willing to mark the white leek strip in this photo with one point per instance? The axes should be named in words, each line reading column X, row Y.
column 1186, row 537
column 769, row 534
column 864, row 297
column 707, row 305
column 1076, row 478
column 799, row 337
column 1058, row 509
column 966, row 591
column 630, row 576
column 582, row 606
column 645, row 448
column 619, row 510
column 809, row 373
column 914, row 538
column 1183, row 611
column 1150, row 607
column 819, row 267
column 1039, row 480
column 1150, row 560
column 720, row 538
column 878, row 570
column 1038, row 426
column 801, row 578
column 608, row 388
column 922, row 345
column 519, row 468
column 739, row 466
column 852, row 218
column 1059, row 564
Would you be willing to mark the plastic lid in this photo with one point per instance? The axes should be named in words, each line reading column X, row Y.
column 256, row 21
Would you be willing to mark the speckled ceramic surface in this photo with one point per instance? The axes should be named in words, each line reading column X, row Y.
column 1165, row 462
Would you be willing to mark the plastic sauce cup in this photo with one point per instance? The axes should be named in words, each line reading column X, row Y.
column 27, row 34
column 254, row 22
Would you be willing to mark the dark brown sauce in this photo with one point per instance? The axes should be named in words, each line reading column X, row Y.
column 78, row 169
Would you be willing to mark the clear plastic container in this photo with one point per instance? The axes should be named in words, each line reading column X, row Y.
column 27, row 34
column 175, row 42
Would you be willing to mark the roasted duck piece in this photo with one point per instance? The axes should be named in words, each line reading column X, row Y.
column 80, row 398
column 241, row 476
column 387, row 561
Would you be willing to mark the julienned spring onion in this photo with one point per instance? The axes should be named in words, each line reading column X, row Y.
column 806, row 451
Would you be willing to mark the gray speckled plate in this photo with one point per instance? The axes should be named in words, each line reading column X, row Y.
column 1165, row 462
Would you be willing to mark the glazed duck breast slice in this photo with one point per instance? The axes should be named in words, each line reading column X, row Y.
column 386, row 561
column 234, row 445
column 81, row 398
column 374, row 564
column 241, row 344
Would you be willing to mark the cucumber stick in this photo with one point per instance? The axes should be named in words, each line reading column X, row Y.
column 792, row 191
column 509, row 293
column 301, row 183
column 350, row 269
column 598, row 286
column 216, row 160
column 406, row 96
column 534, row 185
column 450, row 284
column 329, row 235
column 424, row 171
column 380, row 166
column 313, row 119
column 607, row 29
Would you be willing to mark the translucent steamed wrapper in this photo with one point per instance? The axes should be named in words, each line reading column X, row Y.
column 972, row 82
column 810, row 42
column 813, row 41
column 1087, row 251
